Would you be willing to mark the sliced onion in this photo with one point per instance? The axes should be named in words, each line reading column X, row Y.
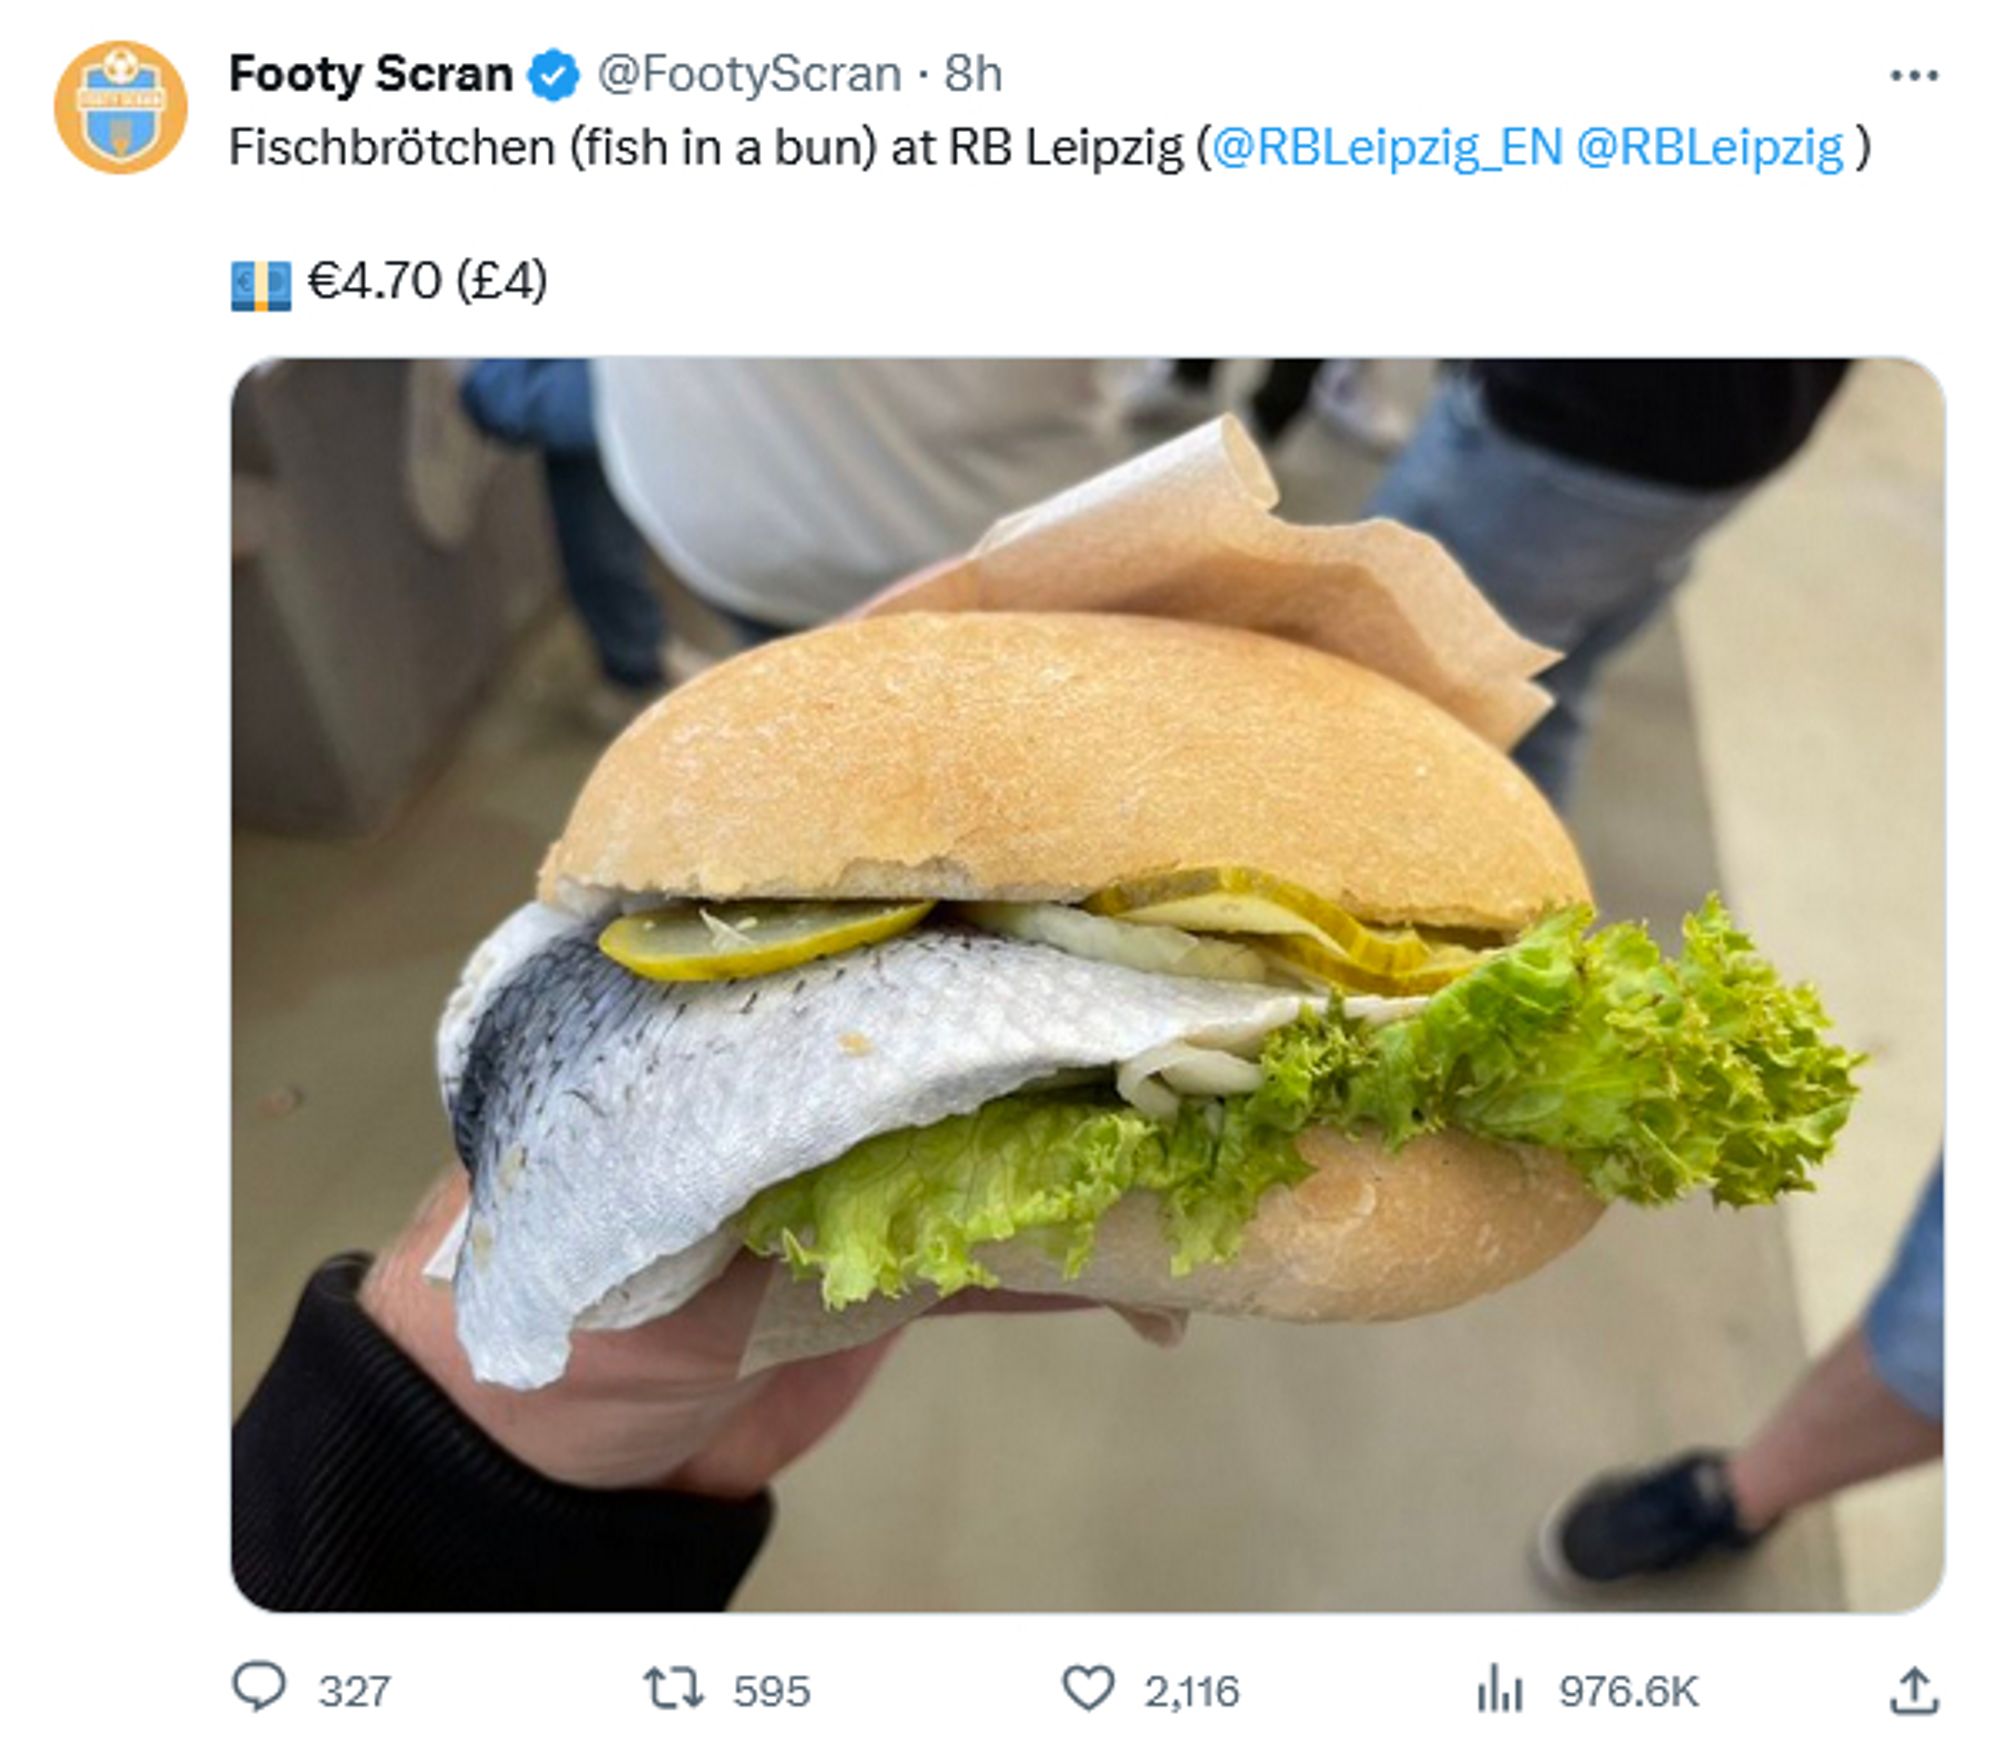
column 1137, row 947
column 1380, row 1010
column 1153, row 1098
column 1154, row 1081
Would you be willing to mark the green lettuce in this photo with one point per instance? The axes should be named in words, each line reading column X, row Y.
column 1653, row 1077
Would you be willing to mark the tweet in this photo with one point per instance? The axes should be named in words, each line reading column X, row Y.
column 883, row 977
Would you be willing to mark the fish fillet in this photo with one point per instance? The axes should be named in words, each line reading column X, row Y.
column 610, row 1123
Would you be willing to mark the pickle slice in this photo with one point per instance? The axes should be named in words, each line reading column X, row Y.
column 708, row 943
column 1302, row 953
column 1302, row 927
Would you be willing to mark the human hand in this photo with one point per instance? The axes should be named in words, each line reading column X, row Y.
column 657, row 1407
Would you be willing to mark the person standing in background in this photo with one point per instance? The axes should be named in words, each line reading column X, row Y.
column 1871, row 1405
column 547, row 405
column 1349, row 395
column 1575, row 492
column 786, row 492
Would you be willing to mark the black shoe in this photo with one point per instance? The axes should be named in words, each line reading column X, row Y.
column 1642, row 1524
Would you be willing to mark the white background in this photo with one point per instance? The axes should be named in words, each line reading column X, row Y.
column 117, row 727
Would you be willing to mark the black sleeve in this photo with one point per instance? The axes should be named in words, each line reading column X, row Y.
column 1694, row 424
column 359, row 1486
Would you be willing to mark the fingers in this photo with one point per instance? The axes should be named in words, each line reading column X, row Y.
column 800, row 1402
column 793, row 1410
column 395, row 1280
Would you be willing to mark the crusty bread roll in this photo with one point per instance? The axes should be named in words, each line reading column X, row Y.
column 1371, row 1235
column 978, row 755
column 1043, row 755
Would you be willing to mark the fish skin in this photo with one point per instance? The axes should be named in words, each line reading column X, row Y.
column 609, row 1122
column 493, row 963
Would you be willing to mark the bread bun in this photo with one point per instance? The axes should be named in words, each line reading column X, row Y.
column 968, row 755
column 1045, row 755
column 1370, row 1235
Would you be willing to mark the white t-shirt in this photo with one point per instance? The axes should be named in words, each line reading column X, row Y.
column 791, row 490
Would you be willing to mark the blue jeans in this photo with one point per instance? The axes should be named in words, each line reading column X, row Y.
column 547, row 404
column 1572, row 556
column 1905, row 1323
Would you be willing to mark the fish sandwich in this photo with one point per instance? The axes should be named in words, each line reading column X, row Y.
column 1169, row 965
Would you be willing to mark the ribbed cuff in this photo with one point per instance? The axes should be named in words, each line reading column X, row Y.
column 359, row 1486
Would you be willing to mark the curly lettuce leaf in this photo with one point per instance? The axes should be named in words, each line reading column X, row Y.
column 913, row 1206
column 1653, row 1077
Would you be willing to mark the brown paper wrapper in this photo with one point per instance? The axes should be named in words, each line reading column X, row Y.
column 1186, row 530
column 793, row 1323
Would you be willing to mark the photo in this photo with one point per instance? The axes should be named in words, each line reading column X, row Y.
column 1087, row 985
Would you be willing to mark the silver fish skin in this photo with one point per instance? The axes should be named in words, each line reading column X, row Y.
column 609, row 1122
column 493, row 964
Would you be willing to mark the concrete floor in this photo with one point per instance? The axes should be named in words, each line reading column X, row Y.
column 1258, row 1466
column 1814, row 634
